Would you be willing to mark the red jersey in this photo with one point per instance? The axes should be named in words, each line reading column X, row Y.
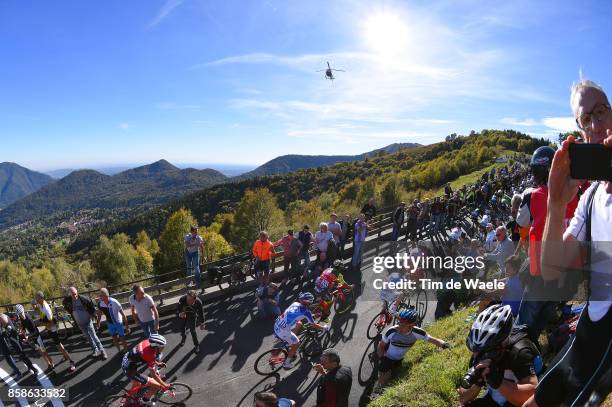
column 143, row 353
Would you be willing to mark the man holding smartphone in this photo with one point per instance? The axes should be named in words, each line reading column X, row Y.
column 580, row 371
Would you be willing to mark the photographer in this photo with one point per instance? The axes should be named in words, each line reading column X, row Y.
column 581, row 370
column 190, row 312
column 503, row 359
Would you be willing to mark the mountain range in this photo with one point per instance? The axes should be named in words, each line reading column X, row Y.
column 17, row 182
column 293, row 162
column 147, row 185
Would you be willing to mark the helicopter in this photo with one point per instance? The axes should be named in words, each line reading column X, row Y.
column 329, row 72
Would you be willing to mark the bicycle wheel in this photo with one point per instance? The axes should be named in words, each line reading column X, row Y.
column 270, row 361
column 377, row 325
column 311, row 345
column 343, row 305
column 421, row 305
column 178, row 393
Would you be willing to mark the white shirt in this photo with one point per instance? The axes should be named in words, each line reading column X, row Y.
column 601, row 237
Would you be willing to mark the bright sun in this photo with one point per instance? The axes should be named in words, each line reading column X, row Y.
column 386, row 33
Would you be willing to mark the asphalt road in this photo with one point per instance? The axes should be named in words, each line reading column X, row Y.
column 222, row 373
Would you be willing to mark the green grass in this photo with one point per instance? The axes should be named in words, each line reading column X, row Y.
column 430, row 376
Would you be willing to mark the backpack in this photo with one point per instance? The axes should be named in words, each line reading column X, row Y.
column 518, row 341
column 559, row 337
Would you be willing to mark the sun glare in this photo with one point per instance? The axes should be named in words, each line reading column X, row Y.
column 386, row 33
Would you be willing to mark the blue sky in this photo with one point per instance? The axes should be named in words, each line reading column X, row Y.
column 86, row 83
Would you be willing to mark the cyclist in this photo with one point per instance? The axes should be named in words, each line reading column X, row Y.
column 148, row 351
column 391, row 298
column 29, row 329
column 290, row 322
column 324, row 287
column 396, row 342
column 503, row 358
column 48, row 319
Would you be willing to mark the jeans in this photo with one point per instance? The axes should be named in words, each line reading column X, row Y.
column 266, row 309
column 90, row 333
column 148, row 328
column 357, row 253
column 193, row 266
column 533, row 313
column 397, row 230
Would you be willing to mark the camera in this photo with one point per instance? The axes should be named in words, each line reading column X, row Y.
column 474, row 376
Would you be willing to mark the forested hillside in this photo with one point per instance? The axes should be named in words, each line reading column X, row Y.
column 17, row 182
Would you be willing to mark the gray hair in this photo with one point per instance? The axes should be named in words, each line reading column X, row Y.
column 331, row 354
column 322, row 224
column 502, row 229
column 578, row 87
column 104, row 291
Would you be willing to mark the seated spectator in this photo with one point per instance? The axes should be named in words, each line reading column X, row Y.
column 369, row 210
column 512, row 293
column 267, row 301
column 503, row 250
column 489, row 244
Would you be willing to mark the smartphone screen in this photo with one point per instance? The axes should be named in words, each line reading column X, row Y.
column 591, row 162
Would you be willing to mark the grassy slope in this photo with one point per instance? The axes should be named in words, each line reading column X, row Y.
column 429, row 376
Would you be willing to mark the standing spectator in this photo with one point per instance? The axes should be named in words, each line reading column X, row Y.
column 335, row 385
column 413, row 214
column 83, row 312
column 268, row 298
column 269, row 399
column 115, row 318
column 305, row 237
column 583, row 366
column 291, row 249
column 424, row 214
column 190, row 312
column 263, row 252
column 193, row 244
column 369, row 210
column 345, row 224
column 334, row 227
column 398, row 220
column 48, row 319
column 361, row 231
column 144, row 311
column 503, row 250
column 30, row 332
column 322, row 238
column 489, row 244
column 448, row 191
column 9, row 338
column 513, row 227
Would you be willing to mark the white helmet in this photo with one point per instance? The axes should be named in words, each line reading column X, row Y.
column 491, row 328
column 157, row 341
column 19, row 309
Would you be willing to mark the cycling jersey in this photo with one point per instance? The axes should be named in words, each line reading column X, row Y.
column 46, row 315
column 388, row 294
column 292, row 315
column 399, row 343
column 325, row 281
column 143, row 353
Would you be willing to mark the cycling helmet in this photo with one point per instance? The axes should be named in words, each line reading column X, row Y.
column 157, row 341
column 540, row 163
column 491, row 328
column 306, row 296
column 337, row 263
column 409, row 315
column 19, row 310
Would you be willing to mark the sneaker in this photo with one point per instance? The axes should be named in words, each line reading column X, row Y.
column 288, row 364
column 104, row 355
column 72, row 367
column 96, row 353
column 147, row 403
column 182, row 342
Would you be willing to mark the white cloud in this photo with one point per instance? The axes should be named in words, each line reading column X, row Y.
column 125, row 126
column 164, row 11
column 560, row 124
column 518, row 122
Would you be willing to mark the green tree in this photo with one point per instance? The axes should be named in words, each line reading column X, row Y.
column 215, row 246
column 115, row 259
column 391, row 193
column 170, row 256
column 256, row 211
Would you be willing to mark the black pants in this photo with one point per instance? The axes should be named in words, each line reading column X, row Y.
column 6, row 343
column 191, row 324
column 582, row 367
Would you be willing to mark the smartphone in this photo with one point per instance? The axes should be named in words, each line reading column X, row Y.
column 592, row 162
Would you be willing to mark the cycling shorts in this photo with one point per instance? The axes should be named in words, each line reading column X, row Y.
column 130, row 368
column 387, row 364
column 287, row 336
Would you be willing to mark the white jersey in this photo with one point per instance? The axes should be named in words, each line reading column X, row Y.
column 399, row 343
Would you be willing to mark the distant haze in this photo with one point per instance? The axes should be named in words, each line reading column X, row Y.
column 229, row 170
